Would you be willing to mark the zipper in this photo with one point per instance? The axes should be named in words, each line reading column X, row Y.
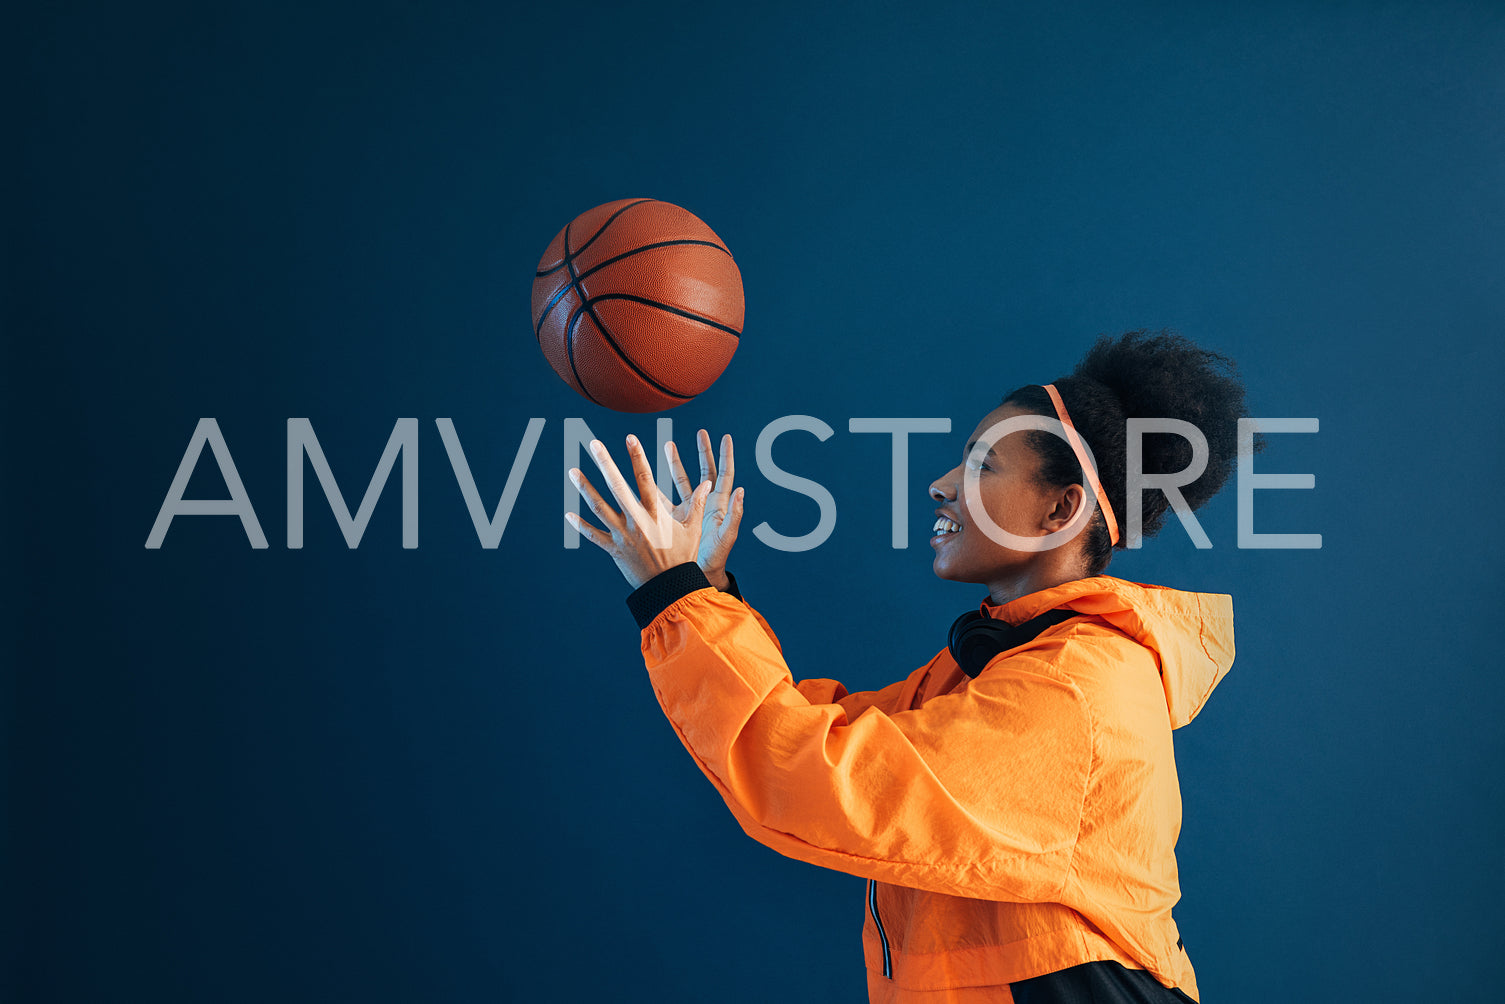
column 872, row 905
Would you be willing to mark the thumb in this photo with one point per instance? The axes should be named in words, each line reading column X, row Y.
column 726, row 533
column 735, row 515
column 698, row 500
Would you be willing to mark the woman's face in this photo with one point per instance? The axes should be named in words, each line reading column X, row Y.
column 1005, row 487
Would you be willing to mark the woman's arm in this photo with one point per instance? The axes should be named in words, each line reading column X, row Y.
column 975, row 794
column 731, row 588
column 823, row 691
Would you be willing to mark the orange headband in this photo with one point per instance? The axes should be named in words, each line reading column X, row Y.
column 1088, row 467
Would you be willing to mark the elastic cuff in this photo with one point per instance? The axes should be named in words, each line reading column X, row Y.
column 731, row 586
column 654, row 596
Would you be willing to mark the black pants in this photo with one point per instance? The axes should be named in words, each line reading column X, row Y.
column 1095, row 983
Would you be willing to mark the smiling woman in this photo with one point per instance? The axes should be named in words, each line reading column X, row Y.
column 1045, row 484
column 1013, row 802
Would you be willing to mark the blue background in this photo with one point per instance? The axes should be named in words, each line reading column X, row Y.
column 439, row 774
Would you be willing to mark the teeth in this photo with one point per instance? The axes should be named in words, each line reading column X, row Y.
column 944, row 525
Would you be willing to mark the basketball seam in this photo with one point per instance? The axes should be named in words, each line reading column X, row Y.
column 574, row 321
column 587, row 306
column 664, row 306
column 571, row 255
column 559, row 294
column 606, row 333
column 622, row 354
column 650, row 247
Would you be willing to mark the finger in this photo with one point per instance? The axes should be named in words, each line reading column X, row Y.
column 677, row 469
column 593, row 499
column 707, row 465
column 697, row 504
column 733, row 518
column 596, row 536
column 620, row 490
column 726, row 533
column 648, row 490
column 728, row 469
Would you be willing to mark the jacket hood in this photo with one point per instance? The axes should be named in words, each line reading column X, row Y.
column 1191, row 634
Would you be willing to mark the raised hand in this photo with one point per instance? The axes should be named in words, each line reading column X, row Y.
column 723, row 510
column 649, row 535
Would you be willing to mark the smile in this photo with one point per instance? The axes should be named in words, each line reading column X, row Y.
column 944, row 528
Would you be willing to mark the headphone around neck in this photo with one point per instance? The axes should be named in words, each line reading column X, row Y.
column 976, row 638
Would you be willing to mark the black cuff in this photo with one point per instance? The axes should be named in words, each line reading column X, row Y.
column 731, row 587
column 654, row 596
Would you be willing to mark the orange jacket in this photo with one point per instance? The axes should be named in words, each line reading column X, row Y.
column 1011, row 825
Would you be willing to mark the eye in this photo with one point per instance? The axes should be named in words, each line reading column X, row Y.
column 975, row 457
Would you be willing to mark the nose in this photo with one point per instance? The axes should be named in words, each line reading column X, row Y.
column 940, row 487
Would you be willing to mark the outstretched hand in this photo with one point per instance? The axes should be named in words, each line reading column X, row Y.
column 649, row 535
column 723, row 510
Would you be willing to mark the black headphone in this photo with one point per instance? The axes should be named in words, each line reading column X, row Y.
column 976, row 638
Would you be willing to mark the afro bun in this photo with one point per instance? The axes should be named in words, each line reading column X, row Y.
column 1141, row 374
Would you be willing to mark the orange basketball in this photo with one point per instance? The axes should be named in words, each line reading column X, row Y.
column 637, row 305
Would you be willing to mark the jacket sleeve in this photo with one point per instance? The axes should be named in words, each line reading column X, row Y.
column 817, row 691
column 978, row 793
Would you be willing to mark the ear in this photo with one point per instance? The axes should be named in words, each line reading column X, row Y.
column 1067, row 504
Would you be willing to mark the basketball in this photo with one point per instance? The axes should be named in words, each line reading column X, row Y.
column 637, row 305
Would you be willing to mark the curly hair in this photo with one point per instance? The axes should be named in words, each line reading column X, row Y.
column 1141, row 374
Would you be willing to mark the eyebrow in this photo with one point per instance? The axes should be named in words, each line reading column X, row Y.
column 968, row 451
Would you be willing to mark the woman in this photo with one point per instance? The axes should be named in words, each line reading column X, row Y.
column 1013, row 803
